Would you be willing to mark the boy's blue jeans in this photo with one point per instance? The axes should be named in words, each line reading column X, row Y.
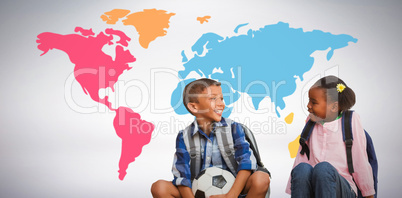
column 322, row 181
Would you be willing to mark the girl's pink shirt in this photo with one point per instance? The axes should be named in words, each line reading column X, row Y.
column 326, row 144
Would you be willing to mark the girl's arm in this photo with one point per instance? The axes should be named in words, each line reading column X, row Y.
column 363, row 174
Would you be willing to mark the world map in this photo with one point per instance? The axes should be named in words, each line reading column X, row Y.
column 261, row 63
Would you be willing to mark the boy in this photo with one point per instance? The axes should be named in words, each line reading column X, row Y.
column 203, row 98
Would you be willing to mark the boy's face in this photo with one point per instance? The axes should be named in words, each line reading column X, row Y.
column 319, row 108
column 210, row 105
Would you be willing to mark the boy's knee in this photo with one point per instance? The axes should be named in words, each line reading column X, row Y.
column 159, row 188
column 260, row 181
column 302, row 170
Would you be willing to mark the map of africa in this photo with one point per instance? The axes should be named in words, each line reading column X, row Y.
column 261, row 63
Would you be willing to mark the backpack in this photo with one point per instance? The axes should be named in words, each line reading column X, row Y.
column 253, row 145
column 348, row 139
column 195, row 156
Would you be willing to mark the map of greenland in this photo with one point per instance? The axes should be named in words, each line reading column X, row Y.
column 96, row 70
column 262, row 63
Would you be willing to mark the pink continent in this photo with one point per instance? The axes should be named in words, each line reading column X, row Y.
column 95, row 70
column 133, row 131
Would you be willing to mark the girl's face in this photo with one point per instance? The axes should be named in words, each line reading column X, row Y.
column 320, row 109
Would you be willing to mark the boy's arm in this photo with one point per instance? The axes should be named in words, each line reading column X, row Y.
column 245, row 159
column 181, row 165
column 185, row 192
column 243, row 154
column 238, row 185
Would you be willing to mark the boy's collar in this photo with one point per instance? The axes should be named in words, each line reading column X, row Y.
column 195, row 128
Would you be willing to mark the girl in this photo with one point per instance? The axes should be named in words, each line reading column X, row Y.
column 325, row 173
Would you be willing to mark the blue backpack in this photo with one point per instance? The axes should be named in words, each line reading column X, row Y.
column 348, row 139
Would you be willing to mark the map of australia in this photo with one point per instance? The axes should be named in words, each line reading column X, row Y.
column 262, row 63
column 95, row 70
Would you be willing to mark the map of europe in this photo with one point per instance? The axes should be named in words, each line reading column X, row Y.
column 261, row 63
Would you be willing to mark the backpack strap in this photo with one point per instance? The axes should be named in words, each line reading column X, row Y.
column 253, row 145
column 308, row 128
column 348, row 137
column 226, row 145
column 193, row 145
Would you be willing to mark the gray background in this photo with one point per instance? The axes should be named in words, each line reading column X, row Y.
column 49, row 148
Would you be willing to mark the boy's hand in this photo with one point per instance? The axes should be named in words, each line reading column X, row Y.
column 238, row 185
column 218, row 196
column 222, row 196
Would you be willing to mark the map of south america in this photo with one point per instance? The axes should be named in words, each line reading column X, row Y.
column 95, row 70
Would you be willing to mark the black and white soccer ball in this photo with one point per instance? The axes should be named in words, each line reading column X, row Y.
column 212, row 181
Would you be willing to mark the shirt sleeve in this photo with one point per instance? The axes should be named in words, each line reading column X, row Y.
column 299, row 159
column 363, row 174
column 243, row 153
column 181, row 163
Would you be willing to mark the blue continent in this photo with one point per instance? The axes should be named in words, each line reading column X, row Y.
column 184, row 57
column 236, row 30
column 261, row 63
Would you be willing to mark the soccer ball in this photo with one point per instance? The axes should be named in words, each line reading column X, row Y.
column 212, row 181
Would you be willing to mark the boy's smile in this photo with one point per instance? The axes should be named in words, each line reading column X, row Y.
column 209, row 107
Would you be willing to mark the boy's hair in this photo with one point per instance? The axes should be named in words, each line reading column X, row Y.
column 193, row 89
column 346, row 99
